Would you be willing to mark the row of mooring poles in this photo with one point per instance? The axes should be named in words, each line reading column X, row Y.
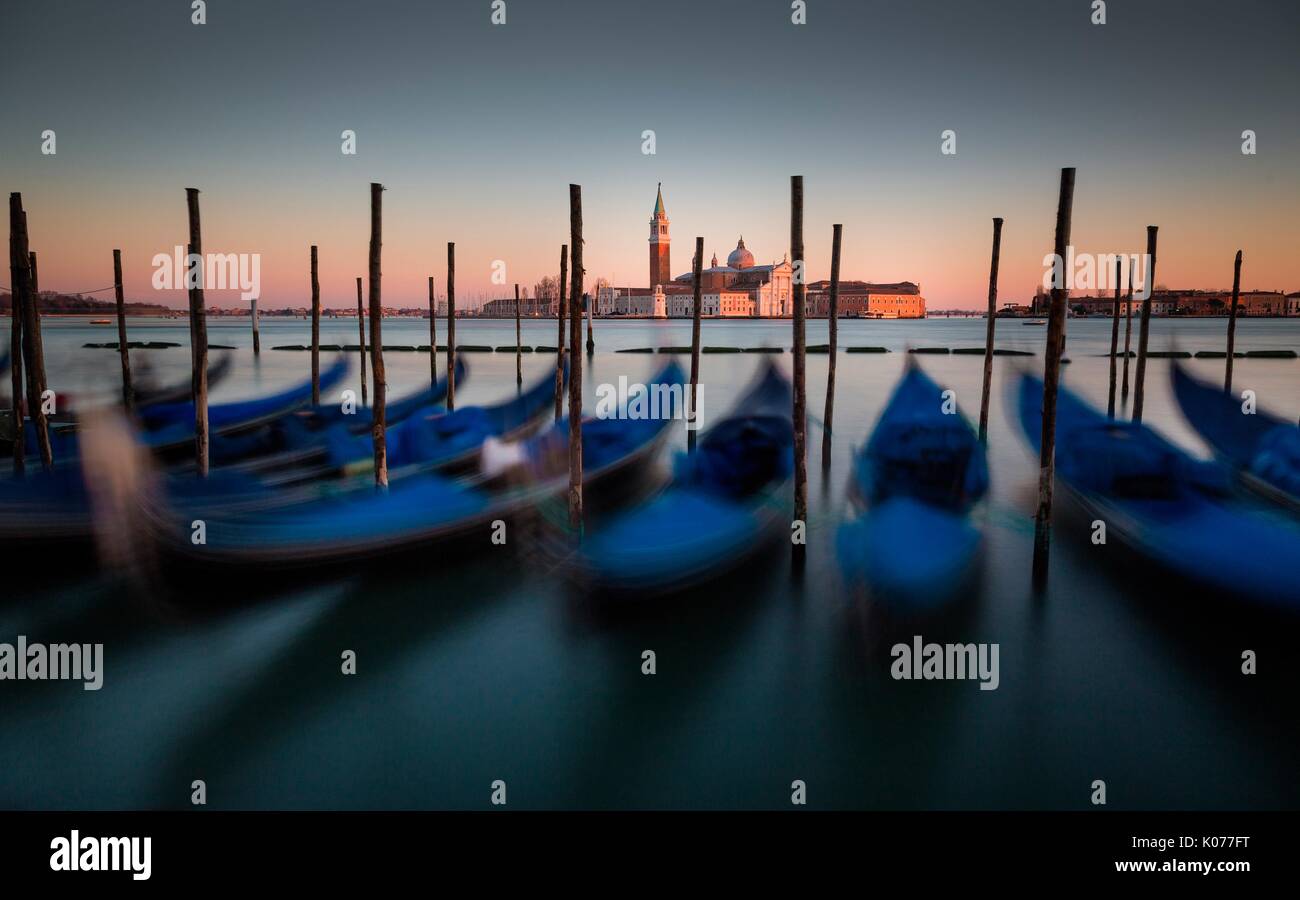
column 990, row 329
column 315, row 330
column 1114, row 342
column 559, row 341
column 433, row 336
column 519, row 350
column 257, row 332
column 361, row 341
column 1128, row 335
column 832, row 347
column 28, row 357
column 1144, row 326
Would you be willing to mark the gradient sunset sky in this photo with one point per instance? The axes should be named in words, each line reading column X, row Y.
column 477, row 130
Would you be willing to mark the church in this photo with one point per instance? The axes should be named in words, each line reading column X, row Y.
column 740, row 288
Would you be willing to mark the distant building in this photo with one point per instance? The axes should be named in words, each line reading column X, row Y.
column 865, row 300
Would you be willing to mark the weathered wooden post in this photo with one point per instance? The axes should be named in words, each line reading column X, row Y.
column 1128, row 333
column 799, row 412
column 1051, row 382
column 1232, row 322
column 361, row 341
column 315, row 331
column 33, row 349
column 575, row 361
column 198, row 336
column 697, row 266
column 1144, row 331
column 451, row 326
column 832, row 348
column 378, row 425
column 990, row 329
column 16, row 352
column 128, row 394
column 433, row 336
column 257, row 336
column 559, row 343
column 1114, row 341
column 590, row 303
column 519, row 352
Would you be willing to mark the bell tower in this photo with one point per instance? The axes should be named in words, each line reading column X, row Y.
column 659, row 242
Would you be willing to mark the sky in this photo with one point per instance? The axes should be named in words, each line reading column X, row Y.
column 476, row 131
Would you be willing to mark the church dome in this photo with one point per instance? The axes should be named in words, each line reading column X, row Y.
column 740, row 258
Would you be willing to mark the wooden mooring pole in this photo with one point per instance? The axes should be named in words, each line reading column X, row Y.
column 590, row 303
column 697, row 267
column 832, row 347
column 128, row 393
column 1128, row 334
column 1051, row 382
column 1232, row 323
column 451, row 326
column 361, row 341
column 257, row 334
column 315, row 330
column 16, row 349
column 990, row 330
column 519, row 351
column 378, row 431
column 575, row 360
column 433, row 335
column 559, row 343
column 198, row 338
column 799, row 412
column 1144, row 330
column 33, row 351
column 1114, row 341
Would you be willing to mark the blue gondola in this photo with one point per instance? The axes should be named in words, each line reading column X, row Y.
column 914, row 485
column 1263, row 449
column 414, row 513
column 1168, row 506
column 725, row 502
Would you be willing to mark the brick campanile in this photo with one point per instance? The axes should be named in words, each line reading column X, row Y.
column 659, row 242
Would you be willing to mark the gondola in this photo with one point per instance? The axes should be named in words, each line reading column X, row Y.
column 1175, row 510
column 913, row 487
column 726, row 502
column 1263, row 449
column 146, row 396
column 302, row 436
column 414, row 513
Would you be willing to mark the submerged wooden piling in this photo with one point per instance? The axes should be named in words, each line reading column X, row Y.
column 378, row 426
column 257, row 336
column 1114, row 342
column 832, row 347
column 433, row 336
column 559, row 343
column 198, row 339
column 799, row 411
column 697, row 267
column 361, row 342
column 519, row 353
column 315, row 331
column 451, row 326
column 575, row 360
column 1232, row 322
column 16, row 350
column 1144, row 329
column 1128, row 334
column 128, row 393
column 1051, row 382
column 989, row 331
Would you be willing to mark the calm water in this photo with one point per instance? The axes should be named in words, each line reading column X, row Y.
column 472, row 670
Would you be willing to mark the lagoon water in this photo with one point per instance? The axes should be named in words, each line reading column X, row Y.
column 475, row 669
